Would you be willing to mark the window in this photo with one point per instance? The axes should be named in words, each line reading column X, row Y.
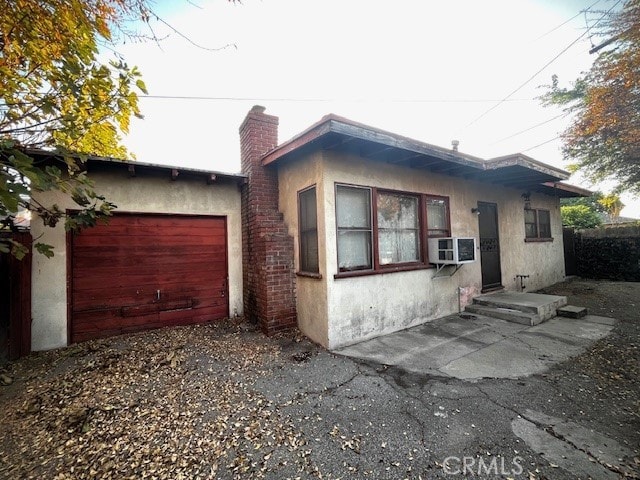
column 398, row 228
column 308, row 223
column 437, row 217
column 353, row 221
column 537, row 224
column 381, row 230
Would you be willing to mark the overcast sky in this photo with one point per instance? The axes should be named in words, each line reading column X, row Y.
column 433, row 71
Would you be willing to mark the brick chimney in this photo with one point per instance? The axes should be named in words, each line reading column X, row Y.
column 267, row 248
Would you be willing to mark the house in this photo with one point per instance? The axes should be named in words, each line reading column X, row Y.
column 359, row 205
column 609, row 220
column 330, row 231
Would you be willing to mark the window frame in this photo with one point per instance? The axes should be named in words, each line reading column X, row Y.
column 372, row 240
column 376, row 228
column 303, row 271
column 428, row 197
column 377, row 268
column 538, row 237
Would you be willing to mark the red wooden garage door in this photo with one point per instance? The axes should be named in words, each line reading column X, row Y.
column 147, row 271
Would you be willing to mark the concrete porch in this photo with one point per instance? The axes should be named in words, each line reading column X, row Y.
column 524, row 308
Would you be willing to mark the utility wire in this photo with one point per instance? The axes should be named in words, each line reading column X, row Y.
column 541, row 144
column 542, row 69
column 529, row 128
column 284, row 99
column 567, row 21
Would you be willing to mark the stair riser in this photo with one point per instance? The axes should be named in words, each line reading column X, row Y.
column 494, row 304
column 544, row 312
column 530, row 319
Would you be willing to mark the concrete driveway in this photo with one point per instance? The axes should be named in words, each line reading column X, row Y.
column 468, row 346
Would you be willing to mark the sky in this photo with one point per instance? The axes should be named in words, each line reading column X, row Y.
column 434, row 71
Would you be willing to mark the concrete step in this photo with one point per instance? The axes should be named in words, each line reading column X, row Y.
column 542, row 306
column 570, row 311
column 516, row 316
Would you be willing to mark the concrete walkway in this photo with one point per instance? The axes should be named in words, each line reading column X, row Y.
column 474, row 346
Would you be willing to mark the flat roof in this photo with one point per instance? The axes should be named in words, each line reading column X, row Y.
column 340, row 134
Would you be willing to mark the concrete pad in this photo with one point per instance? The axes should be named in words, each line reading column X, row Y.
column 482, row 346
column 563, row 327
column 602, row 320
column 601, row 447
column 558, row 452
column 504, row 359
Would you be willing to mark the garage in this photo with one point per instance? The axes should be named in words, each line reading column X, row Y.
column 144, row 271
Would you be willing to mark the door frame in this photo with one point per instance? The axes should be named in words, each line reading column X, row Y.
column 498, row 286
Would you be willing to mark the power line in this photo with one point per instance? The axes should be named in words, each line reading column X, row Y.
column 285, row 99
column 529, row 128
column 541, row 144
column 541, row 69
column 567, row 21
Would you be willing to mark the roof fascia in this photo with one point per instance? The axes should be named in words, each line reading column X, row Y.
column 527, row 162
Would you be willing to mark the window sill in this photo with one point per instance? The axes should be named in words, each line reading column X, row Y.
column 538, row 240
column 317, row 276
column 381, row 271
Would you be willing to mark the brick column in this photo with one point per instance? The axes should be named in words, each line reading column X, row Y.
column 267, row 248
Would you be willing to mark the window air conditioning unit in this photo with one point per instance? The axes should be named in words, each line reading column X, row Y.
column 452, row 250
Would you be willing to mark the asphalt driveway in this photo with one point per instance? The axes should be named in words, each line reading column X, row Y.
column 223, row 401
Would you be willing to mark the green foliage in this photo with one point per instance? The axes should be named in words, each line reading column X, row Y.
column 57, row 95
column 579, row 216
column 593, row 202
column 603, row 142
column 612, row 205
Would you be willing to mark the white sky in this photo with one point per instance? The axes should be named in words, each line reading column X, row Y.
column 419, row 68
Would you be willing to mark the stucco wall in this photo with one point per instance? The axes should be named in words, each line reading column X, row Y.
column 368, row 306
column 151, row 193
column 311, row 293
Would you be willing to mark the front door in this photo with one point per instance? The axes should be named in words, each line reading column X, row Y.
column 489, row 246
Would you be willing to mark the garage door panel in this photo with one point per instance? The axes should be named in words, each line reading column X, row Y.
column 110, row 325
column 170, row 280
column 146, row 231
column 118, row 268
column 145, row 240
column 164, row 221
column 112, row 320
column 126, row 297
column 113, row 257
column 185, row 317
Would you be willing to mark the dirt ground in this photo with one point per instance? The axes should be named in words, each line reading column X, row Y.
column 224, row 401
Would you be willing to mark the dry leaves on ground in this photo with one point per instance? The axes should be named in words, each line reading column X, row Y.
column 173, row 403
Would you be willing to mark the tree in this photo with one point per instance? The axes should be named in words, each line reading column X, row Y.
column 592, row 202
column 612, row 205
column 579, row 217
column 57, row 94
column 604, row 137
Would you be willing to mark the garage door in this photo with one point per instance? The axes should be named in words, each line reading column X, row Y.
column 147, row 271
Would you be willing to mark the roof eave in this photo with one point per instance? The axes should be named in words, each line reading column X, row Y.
column 333, row 123
column 143, row 165
column 568, row 190
column 527, row 162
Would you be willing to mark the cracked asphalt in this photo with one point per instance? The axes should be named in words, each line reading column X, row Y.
column 283, row 407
